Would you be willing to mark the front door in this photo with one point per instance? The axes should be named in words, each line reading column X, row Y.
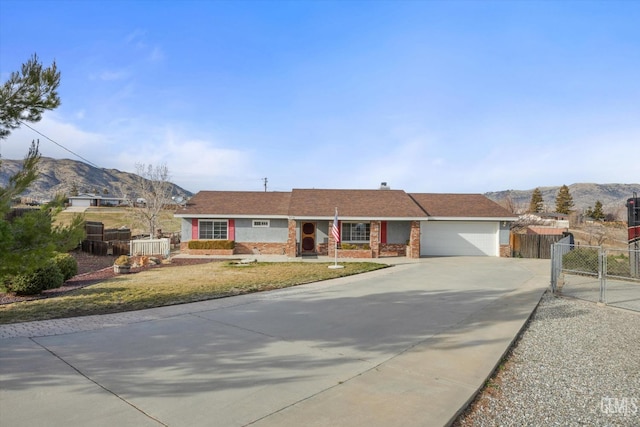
column 308, row 237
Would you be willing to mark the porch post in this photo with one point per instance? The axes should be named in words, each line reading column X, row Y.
column 291, row 249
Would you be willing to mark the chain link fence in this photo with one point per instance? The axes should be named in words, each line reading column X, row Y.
column 593, row 273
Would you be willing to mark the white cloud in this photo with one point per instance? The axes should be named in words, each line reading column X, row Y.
column 135, row 37
column 157, row 54
column 194, row 164
column 109, row 75
column 86, row 144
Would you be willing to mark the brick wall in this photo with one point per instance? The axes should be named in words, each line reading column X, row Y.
column 414, row 240
column 374, row 238
column 323, row 248
column 259, row 248
column 505, row 251
column 355, row 253
column 291, row 248
column 393, row 249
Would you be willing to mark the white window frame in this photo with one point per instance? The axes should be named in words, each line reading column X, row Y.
column 260, row 223
column 347, row 235
column 213, row 229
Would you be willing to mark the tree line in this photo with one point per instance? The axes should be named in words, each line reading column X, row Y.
column 564, row 203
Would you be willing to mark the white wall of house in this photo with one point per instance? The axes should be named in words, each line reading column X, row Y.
column 82, row 203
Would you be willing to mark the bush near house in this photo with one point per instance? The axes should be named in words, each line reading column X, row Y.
column 211, row 244
column 47, row 276
column 67, row 264
column 351, row 246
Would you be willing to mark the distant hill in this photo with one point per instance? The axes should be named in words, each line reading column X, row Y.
column 612, row 196
column 59, row 176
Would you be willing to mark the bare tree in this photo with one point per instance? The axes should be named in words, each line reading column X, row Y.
column 152, row 194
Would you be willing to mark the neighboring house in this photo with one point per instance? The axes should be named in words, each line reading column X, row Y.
column 87, row 200
column 374, row 223
column 545, row 230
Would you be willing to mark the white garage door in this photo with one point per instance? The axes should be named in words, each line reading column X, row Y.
column 449, row 238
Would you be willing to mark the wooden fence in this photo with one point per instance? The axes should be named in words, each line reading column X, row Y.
column 120, row 234
column 95, row 247
column 94, row 230
column 533, row 245
column 148, row 247
column 101, row 241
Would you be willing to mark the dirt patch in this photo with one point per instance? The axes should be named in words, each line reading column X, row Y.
column 91, row 270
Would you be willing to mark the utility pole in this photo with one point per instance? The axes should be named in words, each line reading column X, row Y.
column 265, row 184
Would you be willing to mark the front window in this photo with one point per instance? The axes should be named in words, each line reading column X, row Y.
column 213, row 230
column 355, row 232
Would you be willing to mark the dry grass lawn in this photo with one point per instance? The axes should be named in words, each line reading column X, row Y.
column 175, row 285
column 121, row 217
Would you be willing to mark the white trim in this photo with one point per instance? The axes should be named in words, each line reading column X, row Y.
column 212, row 220
column 356, row 218
column 469, row 218
column 228, row 216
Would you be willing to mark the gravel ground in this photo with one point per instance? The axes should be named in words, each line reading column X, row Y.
column 576, row 364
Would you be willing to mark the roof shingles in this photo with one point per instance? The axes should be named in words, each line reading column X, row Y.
column 361, row 204
column 353, row 203
column 238, row 203
column 460, row 205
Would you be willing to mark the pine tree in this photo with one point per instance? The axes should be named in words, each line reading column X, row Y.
column 596, row 213
column 537, row 203
column 28, row 241
column 564, row 201
column 26, row 95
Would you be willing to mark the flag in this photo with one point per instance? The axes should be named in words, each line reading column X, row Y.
column 335, row 231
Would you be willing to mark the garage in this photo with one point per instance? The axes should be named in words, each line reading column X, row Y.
column 459, row 238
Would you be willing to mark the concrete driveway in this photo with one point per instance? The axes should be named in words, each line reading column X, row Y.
column 408, row 345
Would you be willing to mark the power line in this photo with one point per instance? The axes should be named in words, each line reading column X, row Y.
column 60, row 145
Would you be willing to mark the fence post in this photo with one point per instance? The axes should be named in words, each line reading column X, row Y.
column 554, row 278
column 602, row 274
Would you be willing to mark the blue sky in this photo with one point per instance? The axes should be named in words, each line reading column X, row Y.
column 429, row 96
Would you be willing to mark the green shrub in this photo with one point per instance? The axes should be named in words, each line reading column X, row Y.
column 618, row 265
column 67, row 264
column 581, row 259
column 211, row 244
column 47, row 276
column 351, row 246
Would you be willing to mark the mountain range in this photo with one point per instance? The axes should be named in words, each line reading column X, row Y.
column 612, row 196
column 65, row 176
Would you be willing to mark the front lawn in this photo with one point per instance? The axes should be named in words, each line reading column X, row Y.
column 176, row 285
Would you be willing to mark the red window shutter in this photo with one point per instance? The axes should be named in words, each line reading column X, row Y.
column 194, row 229
column 232, row 229
column 383, row 231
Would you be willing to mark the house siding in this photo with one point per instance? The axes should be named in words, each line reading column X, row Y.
column 276, row 232
column 398, row 232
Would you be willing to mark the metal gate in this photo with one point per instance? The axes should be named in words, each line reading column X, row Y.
column 593, row 273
